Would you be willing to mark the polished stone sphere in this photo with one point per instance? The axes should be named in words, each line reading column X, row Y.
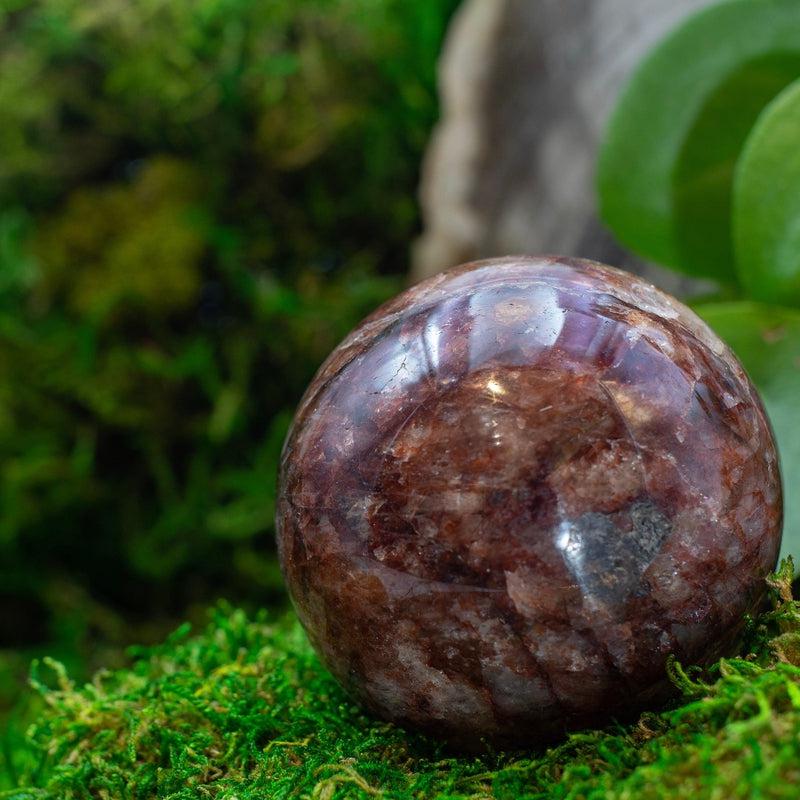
column 514, row 490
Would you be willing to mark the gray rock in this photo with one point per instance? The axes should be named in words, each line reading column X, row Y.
column 527, row 87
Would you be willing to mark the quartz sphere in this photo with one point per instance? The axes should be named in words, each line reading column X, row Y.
column 514, row 490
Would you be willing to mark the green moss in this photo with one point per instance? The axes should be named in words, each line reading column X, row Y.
column 197, row 201
column 139, row 245
column 244, row 711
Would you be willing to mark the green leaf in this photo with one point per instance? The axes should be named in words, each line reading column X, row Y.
column 766, row 203
column 767, row 341
column 667, row 164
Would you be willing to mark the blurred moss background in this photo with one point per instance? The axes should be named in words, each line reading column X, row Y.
column 198, row 198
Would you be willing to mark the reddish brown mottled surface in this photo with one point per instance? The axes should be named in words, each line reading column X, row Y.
column 515, row 489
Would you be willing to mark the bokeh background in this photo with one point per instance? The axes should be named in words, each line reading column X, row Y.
column 198, row 198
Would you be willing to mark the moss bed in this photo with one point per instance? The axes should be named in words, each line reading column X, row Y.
column 244, row 710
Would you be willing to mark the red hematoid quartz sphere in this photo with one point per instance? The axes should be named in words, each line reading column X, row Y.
column 515, row 489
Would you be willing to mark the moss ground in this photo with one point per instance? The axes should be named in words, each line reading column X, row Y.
column 243, row 710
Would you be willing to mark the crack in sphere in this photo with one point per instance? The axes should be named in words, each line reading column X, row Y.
column 515, row 489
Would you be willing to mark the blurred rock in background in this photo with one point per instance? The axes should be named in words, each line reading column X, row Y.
column 526, row 90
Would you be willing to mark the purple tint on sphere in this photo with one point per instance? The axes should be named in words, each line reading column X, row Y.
column 515, row 489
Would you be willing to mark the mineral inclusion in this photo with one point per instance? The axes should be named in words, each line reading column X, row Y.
column 515, row 489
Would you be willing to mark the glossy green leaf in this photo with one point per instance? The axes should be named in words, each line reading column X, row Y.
column 766, row 205
column 667, row 164
column 767, row 341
